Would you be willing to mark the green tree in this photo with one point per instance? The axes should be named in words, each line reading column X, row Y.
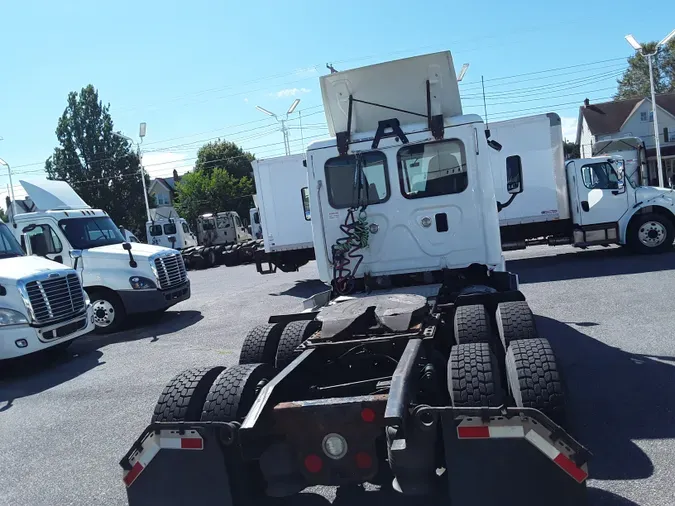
column 3, row 216
column 225, row 155
column 571, row 150
column 101, row 167
column 213, row 191
column 635, row 79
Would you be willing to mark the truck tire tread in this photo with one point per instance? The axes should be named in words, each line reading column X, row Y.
column 515, row 321
column 294, row 334
column 260, row 344
column 183, row 397
column 473, row 376
column 472, row 324
column 533, row 377
column 234, row 391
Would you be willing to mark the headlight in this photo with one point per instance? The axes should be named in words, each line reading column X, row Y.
column 11, row 317
column 139, row 283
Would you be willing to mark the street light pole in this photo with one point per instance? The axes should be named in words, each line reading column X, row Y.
column 656, row 122
column 11, row 187
column 141, row 134
column 657, row 142
column 284, row 129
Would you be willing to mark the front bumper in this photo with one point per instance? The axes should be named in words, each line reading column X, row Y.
column 146, row 301
column 39, row 339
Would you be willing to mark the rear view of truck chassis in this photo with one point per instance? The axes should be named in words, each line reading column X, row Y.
column 443, row 388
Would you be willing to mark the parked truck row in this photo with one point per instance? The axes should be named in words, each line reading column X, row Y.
column 421, row 368
column 120, row 278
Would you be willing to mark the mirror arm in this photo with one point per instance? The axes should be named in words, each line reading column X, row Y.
column 501, row 206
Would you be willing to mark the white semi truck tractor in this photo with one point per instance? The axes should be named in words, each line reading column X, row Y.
column 121, row 278
column 421, row 368
column 42, row 303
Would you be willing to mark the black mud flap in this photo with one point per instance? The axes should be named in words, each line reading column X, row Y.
column 174, row 464
column 516, row 456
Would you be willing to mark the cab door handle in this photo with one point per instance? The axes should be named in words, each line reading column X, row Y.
column 585, row 206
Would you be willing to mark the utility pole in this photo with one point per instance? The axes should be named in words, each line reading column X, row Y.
column 284, row 128
column 141, row 134
column 638, row 47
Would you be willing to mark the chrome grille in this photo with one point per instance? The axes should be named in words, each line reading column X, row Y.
column 170, row 271
column 55, row 298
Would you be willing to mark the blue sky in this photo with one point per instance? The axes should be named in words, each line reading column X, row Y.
column 193, row 71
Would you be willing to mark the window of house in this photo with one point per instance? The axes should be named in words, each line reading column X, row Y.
column 162, row 199
column 155, row 230
column 346, row 189
column 305, row 203
column 433, row 169
column 644, row 115
column 51, row 240
column 600, row 176
column 169, row 228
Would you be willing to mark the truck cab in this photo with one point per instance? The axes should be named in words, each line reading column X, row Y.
column 42, row 303
column 120, row 278
column 221, row 228
column 608, row 206
column 256, row 225
column 170, row 233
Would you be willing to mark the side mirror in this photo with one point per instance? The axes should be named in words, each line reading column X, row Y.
column 514, row 175
column 75, row 254
column 126, row 246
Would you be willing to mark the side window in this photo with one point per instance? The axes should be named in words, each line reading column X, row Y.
column 237, row 221
column 600, row 176
column 44, row 240
column 185, row 228
column 256, row 218
column 169, row 228
column 305, row 203
column 431, row 170
column 347, row 186
column 155, row 230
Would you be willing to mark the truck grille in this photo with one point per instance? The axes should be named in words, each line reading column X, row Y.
column 55, row 298
column 170, row 271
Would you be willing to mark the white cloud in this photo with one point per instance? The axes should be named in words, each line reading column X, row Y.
column 569, row 128
column 246, row 100
column 162, row 164
column 289, row 92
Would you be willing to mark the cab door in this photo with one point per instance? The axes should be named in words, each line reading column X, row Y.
column 48, row 242
column 601, row 192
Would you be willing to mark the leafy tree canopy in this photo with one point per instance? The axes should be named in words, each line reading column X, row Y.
column 3, row 216
column 213, row 191
column 101, row 167
column 225, row 155
column 571, row 150
column 635, row 80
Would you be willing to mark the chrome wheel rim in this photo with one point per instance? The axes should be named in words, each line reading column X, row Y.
column 104, row 313
column 652, row 234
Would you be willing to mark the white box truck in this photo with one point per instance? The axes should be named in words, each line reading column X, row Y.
column 42, row 303
column 583, row 202
column 120, row 278
column 282, row 213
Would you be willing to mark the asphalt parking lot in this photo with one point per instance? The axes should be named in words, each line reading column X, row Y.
column 65, row 424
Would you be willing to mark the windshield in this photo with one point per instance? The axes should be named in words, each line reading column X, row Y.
column 9, row 247
column 85, row 233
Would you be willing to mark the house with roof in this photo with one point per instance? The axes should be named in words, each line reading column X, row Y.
column 631, row 118
column 164, row 189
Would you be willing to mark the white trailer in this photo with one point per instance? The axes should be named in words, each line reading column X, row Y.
column 583, row 202
column 282, row 197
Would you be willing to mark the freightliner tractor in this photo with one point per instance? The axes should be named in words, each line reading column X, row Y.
column 120, row 278
column 420, row 368
column 42, row 303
